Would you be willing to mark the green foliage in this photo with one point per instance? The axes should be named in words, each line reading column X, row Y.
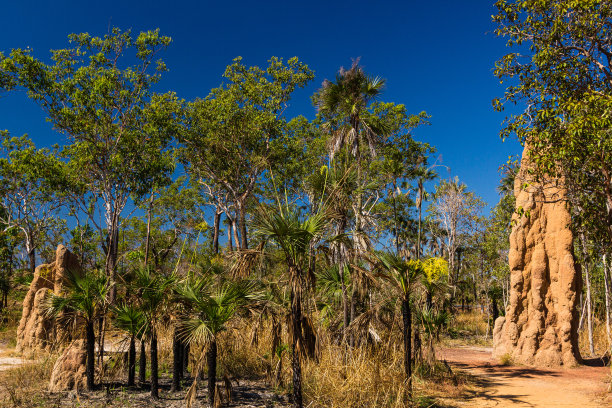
column 404, row 274
column 84, row 296
column 131, row 319
column 210, row 306
column 561, row 72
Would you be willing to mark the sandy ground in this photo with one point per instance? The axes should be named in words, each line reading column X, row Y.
column 7, row 360
column 520, row 386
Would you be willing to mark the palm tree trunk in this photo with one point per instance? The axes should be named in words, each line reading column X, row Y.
column 185, row 355
column 177, row 366
column 91, row 343
column 142, row 369
column 132, row 362
column 154, row 366
column 211, row 360
column 296, row 320
column 407, row 319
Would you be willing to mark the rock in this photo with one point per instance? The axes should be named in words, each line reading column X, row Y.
column 69, row 371
column 36, row 331
column 541, row 323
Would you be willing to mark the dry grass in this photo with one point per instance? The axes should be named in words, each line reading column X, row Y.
column 600, row 339
column 368, row 376
column 468, row 328
column 26, row 385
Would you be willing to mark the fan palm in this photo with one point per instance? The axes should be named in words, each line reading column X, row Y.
column 404, row 276
column 344, row 106
column 433, row 321
column 335, row 186
column 296, row 236
column 130, row 319
column 82, row 302
column 210, row 310
column 155, row 290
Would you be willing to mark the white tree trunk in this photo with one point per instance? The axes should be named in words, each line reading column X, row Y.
column 589, row 311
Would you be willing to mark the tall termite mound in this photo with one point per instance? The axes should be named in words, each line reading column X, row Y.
column 36, row 330
column 541, row 323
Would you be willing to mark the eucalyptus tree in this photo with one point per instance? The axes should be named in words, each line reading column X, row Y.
column 9, row 238
column 560, row 69
column 209, row 308
column 296, row 236
column 170, row 216
column 118, row 128
column 404, row 276
column 457, row 211
column 83, row 301
column 28, row 200
column 233, row 136
column 400, row 163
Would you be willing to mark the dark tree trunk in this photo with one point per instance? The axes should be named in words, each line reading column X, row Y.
column 142, row 369
column 132, row 362
column 416, row 353
column 216, row 232
column 91, row 344
column 494, row 310
column 154, row 366
column 211, row 360
column 185, row 355
column 407, row 319
column 296, row 326
column 32, row 259
column 177, row 366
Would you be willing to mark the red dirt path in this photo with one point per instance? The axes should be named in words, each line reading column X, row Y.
column 521, row 386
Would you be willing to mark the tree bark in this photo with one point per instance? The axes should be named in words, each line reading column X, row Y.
column 589, row 310
column 185, row 355
column 296, row 330
column 235, row 233
column 216, row 231
column 148, row 237
column 607, row 285
column 154, row 366
column 132, row 362
column 32, row 259
column 229, row 234
column 142, row 368
column 177, row 366
column 211, row 360
column 91, row 343
column 244, row 242
column 407, row 330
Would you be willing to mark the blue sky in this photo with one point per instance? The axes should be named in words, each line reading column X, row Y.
column 437, row 56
